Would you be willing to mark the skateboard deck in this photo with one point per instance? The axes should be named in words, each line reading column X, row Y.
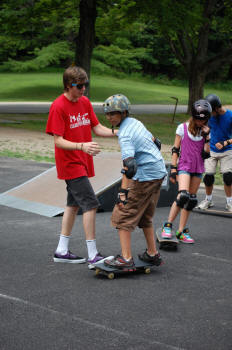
column 110, row 272
column 166, row 243
column 215, row 210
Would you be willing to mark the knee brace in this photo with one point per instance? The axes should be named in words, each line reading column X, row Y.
column 182, row 198
column 208, row 179
column 227, row 178
column 192, row 202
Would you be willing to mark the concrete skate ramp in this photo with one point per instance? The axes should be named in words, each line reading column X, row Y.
column 45, row 195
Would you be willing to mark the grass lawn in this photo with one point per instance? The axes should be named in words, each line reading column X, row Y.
column 47, row 86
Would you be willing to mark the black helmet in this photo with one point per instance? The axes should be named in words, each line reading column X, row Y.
column 201, row 110
column 214, row 100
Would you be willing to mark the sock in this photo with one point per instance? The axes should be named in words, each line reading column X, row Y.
column 91, row 247
column 228, row 199
column 209, row 197
column 63, row 244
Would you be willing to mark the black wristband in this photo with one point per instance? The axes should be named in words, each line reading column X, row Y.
column 123, row 190
column 173, row 166
column 222, row 143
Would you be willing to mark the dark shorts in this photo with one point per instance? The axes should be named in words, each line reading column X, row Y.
column 81, row 194
column 140, row 208
column 190, row 174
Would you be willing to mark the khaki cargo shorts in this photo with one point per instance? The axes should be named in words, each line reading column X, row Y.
column 140, row 208
column 224, row 159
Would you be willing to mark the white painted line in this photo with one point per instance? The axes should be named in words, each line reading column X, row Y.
column 88, row 323
column 213, row 258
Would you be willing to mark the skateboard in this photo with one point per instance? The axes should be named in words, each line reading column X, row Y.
column 217, row 211
column 110, row 272
column 166, row 243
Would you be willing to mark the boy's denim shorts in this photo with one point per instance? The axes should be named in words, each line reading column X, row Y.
column 191, row 174
column 81, row 194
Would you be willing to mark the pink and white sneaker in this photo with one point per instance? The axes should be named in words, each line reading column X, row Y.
column 184, row 236
column 167, row 230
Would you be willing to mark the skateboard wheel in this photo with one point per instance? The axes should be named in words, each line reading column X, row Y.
column 147, row 270
column 97, row 271
column 111, row 276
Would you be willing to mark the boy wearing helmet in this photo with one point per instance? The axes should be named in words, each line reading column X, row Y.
column 143, row 173
column 191, row 147
column 220, row 125
column 71, row 120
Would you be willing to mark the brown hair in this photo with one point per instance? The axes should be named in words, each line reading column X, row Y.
column 193, row 128
column 73, row 74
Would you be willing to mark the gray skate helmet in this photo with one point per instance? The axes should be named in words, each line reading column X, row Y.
column 201, row 110
column 214, row 100
column 117, row 103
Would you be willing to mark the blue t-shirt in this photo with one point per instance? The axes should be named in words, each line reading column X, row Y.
column 136, row 141
column 220, row 130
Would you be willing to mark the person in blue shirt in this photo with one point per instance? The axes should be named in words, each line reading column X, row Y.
column 220, row 125
column 143, row 173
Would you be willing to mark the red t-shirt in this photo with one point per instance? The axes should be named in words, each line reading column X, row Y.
column 73, row 121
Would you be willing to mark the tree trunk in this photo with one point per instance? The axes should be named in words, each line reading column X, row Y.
column 196, row 86
column 86, row 35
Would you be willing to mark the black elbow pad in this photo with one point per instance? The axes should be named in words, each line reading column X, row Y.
column 131, row 166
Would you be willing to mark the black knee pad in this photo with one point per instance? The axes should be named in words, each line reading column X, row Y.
column 182, row 198
column 192, row 202
column 208, row 179
column 227, row 178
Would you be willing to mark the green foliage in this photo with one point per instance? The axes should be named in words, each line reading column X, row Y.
column 26, row 26
column 99, row 68
column 51, row 55
column 117, row 58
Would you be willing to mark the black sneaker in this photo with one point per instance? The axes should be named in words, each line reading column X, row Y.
column 120, row 263
column 154, row 260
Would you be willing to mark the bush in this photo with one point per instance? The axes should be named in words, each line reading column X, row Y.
column 47, row 56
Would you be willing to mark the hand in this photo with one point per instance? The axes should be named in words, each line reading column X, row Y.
column 91, row 148
column 173, row 176
column 205, row 130
column 123, row 200
column 221, row 144
column 122, row 197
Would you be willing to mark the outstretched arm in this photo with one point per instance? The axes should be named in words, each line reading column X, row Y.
column 101, row 130
column 92, row 148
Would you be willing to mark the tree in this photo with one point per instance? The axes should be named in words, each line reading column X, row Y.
column 198, row 32
column 86, row 37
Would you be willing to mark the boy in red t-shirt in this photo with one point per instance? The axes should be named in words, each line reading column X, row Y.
column 71, row 120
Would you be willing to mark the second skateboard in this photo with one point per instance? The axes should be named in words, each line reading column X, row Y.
column 166, row 243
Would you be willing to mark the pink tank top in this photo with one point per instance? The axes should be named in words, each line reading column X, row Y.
column 190, row 155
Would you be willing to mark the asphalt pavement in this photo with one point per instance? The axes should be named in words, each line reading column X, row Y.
column 184, row 304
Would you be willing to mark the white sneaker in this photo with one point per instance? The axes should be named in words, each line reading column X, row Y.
column 229, row 206
column 205, row 204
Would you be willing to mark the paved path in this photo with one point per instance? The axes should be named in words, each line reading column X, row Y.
column 185, row 304
column 43, row 107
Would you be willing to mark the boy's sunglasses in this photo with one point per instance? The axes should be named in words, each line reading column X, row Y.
column 80, row 86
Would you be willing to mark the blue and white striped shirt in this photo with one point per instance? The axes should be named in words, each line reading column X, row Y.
column 136, row 141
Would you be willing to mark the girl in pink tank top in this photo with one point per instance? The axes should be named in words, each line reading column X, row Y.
column 191, row 147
